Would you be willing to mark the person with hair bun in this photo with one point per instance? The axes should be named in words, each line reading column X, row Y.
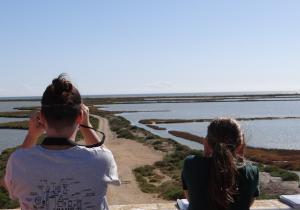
column 222, row 179
column 60, row 174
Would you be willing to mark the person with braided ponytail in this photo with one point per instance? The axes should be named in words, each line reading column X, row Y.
column 222, row 179
column 59, row 173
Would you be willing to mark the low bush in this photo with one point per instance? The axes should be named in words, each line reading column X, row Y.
column 124, row 133
column 5, row 202
column 284, row 174
column 171, row 190
column 140, row 174
column 146, row 170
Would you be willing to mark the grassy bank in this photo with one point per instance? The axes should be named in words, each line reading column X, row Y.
column 17, row 114
column 187, row 136
column 23, row 125
column 5, row 201
column 284, row 159
column 155, row 127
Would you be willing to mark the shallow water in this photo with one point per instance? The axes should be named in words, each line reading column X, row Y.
column 8, row 106
column 281, row 134
column 11, row 138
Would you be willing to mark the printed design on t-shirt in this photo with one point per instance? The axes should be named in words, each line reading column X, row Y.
column 67, row 194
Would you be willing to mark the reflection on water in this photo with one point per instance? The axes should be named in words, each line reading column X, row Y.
column 11, row 138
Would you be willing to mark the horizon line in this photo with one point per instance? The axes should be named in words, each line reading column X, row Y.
column 170, row 93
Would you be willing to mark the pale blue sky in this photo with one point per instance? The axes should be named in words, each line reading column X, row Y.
column 150, row 46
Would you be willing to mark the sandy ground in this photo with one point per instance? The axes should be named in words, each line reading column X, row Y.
column 128, row 155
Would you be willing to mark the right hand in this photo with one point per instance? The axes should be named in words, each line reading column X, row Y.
column 85, row 115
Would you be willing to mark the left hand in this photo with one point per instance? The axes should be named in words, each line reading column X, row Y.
column 35, row 127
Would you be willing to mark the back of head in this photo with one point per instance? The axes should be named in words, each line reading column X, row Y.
column 224, row 131
column 61, row 103
column 224, row 135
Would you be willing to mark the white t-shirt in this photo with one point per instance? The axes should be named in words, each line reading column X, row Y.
column 69, row 179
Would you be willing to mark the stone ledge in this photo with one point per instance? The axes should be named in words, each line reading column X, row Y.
column 258, row 205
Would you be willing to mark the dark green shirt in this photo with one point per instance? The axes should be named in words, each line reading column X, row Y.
column 195, row 177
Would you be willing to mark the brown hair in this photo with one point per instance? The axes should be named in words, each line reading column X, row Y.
column 224, row 135
column 61, row 103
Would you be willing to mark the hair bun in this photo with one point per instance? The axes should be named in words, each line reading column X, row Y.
column 61, row 84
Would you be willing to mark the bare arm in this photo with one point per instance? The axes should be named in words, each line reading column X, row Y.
column 90, row 136
column 35, row 130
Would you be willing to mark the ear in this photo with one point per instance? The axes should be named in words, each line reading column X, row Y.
column 79, row 117
column 208, row 151
column 42, row 119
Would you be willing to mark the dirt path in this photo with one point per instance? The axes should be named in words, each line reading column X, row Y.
column 128, row 155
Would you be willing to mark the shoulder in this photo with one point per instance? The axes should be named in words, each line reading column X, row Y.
column 21, row 153
column 98, row 152
column 195, row 160
column 251, row 168
column 250, row 171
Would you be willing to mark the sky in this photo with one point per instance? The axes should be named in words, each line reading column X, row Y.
column 150, row 46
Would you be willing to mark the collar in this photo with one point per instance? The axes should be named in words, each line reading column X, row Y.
column 65, row 142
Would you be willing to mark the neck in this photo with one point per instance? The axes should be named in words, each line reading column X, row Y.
column 65, row 133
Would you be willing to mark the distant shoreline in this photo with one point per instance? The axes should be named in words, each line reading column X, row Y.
column 177, row 95
column 171, row 121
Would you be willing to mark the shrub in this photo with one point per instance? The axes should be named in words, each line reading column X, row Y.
column 5, row 202
column 117, row 123
column 146, row 170
column 140, row 174
column 284, row 174
column 124, row 133
column 171, row 190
